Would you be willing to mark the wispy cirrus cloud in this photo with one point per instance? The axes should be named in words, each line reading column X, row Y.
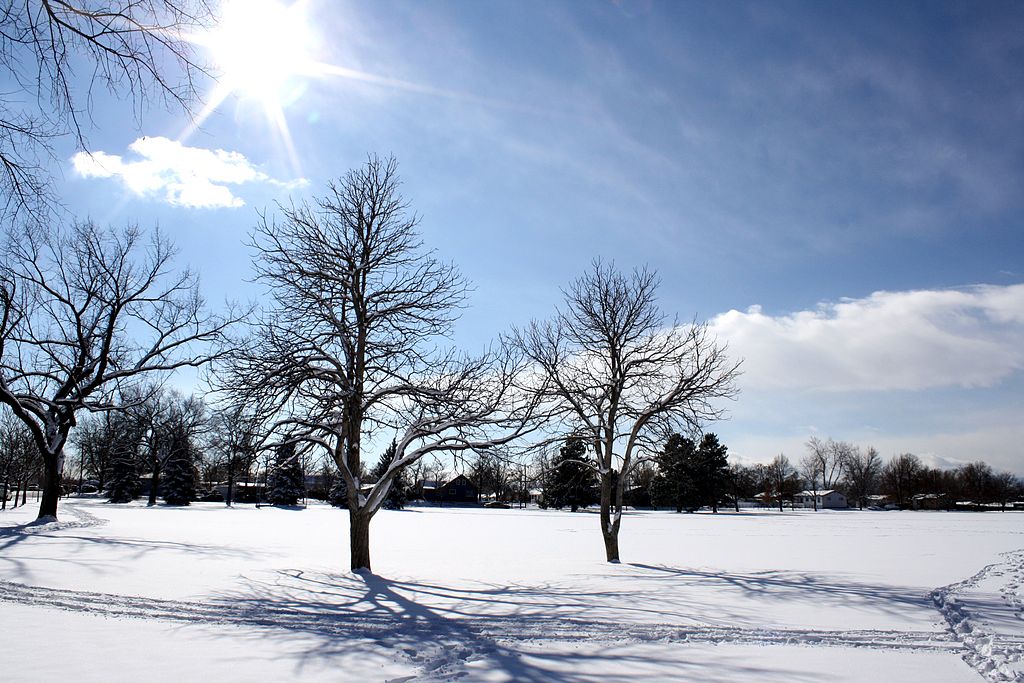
column 192, row 177
column 887, row 341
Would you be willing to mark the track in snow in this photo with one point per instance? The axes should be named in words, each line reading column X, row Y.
column 990, row 653
column 348, row 623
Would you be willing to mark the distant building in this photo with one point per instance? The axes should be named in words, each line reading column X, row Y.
column 931, row 501
column 458, row 490
column 827, row 500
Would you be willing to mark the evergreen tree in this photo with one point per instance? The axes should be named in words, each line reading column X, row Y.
column 571, row 481
column 712, row 470
column 287, row 483
column 338, row 496
column 675, row 483
column 123, row 477
column 121, row 436
column 398, row 494
column 178, row 483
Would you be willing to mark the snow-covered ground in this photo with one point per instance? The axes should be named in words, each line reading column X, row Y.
column 116, row 592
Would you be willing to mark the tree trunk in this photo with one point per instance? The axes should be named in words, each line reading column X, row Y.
column 609, row 530
column 231, row 483
column 51, row 486
column 359, row 540
column 154, row 484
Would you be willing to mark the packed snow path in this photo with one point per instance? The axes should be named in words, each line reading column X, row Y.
column 995, row 655
column 439, row 643
column 381, row 627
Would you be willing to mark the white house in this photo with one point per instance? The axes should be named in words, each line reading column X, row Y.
column 828, row 500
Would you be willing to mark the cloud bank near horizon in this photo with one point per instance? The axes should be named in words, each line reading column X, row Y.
column 888, row 341
column 190, row 177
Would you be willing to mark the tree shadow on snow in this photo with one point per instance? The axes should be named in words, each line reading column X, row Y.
column 814, row 588
column 492, row 628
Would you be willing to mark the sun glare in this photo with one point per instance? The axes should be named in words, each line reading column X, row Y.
column 260, row 46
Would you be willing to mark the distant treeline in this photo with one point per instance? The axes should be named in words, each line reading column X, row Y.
column 689, row 474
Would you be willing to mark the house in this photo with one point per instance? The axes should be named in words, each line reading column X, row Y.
column 458, row 490
column 931, row 501
column 879, row 502
column 827, row 500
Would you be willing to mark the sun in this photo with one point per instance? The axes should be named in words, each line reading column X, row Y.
column 259, row 47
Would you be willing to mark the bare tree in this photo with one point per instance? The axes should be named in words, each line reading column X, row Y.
column 236, row 442
column 170, row 423
column 85, row 311
column 782, row 479
column 18, row 459
column 811, row 471
column 861, row 470
column 900, row 477
column 615, row 371
column 138, row 48
column 348, row 352
column 830, row 456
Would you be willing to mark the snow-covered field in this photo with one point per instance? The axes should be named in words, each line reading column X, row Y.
column 125, row 592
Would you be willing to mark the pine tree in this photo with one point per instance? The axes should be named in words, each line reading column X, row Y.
column 121, row 436
column 571, row 481
column 398, row 494
column 712, row 470
column 123, row 476
column 675, row 484
column 338, row 496
column 287, row 483
column 178, row 483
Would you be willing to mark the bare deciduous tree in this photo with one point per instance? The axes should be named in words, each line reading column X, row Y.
column 861, row 471
column 618, row 373
column 811, row 472
column 138, row 48
column 169, row 421
column 85, row 311
column 899, row 478
column 235, row 441
column 348, row 352
column 781, row 479
column 831, row 456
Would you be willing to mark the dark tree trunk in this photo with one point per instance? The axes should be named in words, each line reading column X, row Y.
column 611, row 545
column 51, row 486
column 609, row 530
column 359, row 540
column 231, row 483
column 154, row 484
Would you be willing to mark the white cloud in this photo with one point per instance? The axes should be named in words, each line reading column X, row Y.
column 888, row 341
column 182, row 176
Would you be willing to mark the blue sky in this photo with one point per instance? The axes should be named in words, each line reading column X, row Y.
column 837, row 187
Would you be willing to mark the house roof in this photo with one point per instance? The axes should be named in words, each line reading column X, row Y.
column 816, row 493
